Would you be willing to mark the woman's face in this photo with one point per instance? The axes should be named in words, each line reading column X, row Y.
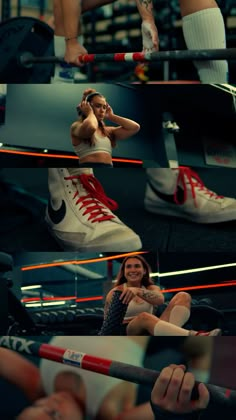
column 134, row 271
column 99, row 106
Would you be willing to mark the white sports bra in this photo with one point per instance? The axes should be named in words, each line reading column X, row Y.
column 135, row 308
column 101, row 144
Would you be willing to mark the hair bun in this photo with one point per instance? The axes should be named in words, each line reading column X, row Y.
column 88, row 92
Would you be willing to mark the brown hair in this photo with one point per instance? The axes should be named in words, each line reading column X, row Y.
column 146, row 280
column 89, row 94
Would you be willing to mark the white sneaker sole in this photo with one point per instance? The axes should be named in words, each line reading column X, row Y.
column 204, row 219
column 129, row 244
column 215, row 333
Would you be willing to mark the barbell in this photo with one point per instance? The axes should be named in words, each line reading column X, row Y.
column 93, row 363
column 26, row 51
column 27, row 59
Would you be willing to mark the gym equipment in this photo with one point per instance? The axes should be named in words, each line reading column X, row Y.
column 26, row 48
column 221, row 372
column 18, row 35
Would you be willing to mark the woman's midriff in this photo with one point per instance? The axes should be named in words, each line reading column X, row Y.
column 99, row 157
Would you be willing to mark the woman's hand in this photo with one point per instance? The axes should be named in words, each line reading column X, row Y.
column 149, row 36
column 73, row 51
column 59, row 405
column 128, row 294
column 173, row 388
column 86, row 108
column 68, row 401
column 109, row 112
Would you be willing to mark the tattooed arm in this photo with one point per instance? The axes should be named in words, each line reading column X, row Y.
column 145, row 8
column 148, row 28
column 152, row 295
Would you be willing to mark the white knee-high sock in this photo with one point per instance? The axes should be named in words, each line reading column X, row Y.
column 205, row 29
column 179, row 315
column 167, row 329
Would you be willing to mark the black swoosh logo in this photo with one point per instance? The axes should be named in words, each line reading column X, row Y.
column 57, row 216
column 169, row 198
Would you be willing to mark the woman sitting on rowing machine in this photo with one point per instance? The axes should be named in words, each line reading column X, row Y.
column 142, row 296
column 92, row 139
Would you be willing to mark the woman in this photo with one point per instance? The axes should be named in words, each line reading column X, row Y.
column 91, row 138
column 142, row 296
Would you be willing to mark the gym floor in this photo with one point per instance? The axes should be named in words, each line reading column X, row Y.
column 22, row 217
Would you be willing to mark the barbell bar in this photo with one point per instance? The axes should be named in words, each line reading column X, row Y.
column 26, row 53
column 92, row 363
column 179, row 55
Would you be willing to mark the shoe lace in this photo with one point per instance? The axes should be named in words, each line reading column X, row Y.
column 201, row 332
column 195, row 182
column 95, row 199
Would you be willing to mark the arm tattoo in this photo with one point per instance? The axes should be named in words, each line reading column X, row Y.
column 149, row 294
column 147, row 3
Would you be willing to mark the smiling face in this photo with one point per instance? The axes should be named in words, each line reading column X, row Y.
column 99, row 105
column 134, row 271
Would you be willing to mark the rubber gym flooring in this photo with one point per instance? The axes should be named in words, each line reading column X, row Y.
column 22, row 217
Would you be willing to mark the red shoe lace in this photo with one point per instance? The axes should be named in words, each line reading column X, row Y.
column 195, row 182
column 94, row 199
column 204, row 333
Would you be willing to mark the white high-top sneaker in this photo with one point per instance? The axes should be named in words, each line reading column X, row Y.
column 181, row 193
column 79, row 215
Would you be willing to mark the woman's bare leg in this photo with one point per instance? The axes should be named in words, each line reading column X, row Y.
column 87, row 5
column 191, row 6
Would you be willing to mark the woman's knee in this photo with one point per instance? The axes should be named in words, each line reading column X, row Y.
column 140, row 323
column 144, row 317
column 183, row 298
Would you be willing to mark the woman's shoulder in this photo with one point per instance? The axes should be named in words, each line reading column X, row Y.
column 120, row 287
column 110, row 293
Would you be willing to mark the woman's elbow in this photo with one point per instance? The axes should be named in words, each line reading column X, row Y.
column 137, row 128
column 89, row 130
column 92, row 127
